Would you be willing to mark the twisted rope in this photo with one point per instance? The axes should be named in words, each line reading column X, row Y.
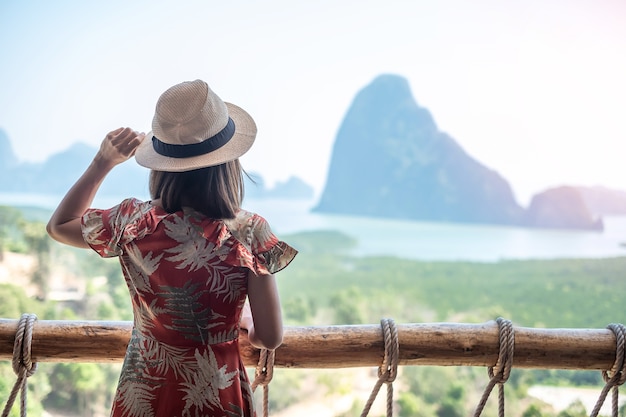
column 263, row 375
column 499, row 373
column 23, row 366
column 616, row 376
column 388, row 370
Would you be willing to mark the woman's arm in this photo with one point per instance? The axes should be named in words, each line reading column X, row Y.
column 118, row 146
column 264, row 321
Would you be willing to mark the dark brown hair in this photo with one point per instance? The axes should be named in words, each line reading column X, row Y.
column 215, row 191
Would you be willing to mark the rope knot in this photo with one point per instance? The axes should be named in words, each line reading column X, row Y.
column 388, row 370
column 502, row 369
column 263, row 375
column 264, row 371
column 500, row 372
column 23, row 365
column 615, row 376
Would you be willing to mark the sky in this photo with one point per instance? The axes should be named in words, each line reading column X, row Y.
column 533, row 89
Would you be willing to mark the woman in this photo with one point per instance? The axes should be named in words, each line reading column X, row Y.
column 190, row 256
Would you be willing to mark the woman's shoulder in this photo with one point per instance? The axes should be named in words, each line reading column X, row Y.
column 248, row 217
column 248, row 227
column 133, row 209
column 244, row 221
column 129, row 207
column 257, row 236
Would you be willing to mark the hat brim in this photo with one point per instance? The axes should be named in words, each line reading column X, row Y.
column 239, row 144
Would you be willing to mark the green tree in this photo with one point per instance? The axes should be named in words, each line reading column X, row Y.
column 348, row 306
column 410, row 405
column 284, row 391
column 10, row 217
column 452, row 403
column 576, row 409
column 14, row 302
column 38, row 243
column 78, row 387
column 299, row 309
column 533, row 410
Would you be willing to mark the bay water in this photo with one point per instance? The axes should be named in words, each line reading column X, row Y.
column 446, row 241
column 414, row 239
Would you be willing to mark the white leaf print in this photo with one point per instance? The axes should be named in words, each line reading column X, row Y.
column 136, row 399
column 231, row 284
column 141, row 267
column 203, row 391
column 94, row 228
column 223, row 336
column 194, row 250
column 135, row 390
column 261, row 231
column 168, row 357
column 145, row 315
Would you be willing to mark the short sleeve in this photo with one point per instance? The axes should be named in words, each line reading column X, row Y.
column 254, row 245
column 273, row 254
column 107, row 230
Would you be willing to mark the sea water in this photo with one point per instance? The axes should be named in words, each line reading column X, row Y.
column 446, row 241
column 413, row 239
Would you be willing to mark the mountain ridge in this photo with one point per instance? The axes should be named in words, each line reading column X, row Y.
column 57, row 173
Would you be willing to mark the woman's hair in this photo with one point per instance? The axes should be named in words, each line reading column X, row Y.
column 215, row 191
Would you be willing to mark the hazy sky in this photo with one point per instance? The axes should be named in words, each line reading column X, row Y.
column 535, row 89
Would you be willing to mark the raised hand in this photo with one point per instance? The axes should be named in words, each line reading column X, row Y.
column 119, row 145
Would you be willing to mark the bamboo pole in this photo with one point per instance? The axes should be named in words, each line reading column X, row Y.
column 441, row 344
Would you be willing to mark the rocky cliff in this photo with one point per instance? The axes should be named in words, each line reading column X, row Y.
column 561, row 208
column 391, row 160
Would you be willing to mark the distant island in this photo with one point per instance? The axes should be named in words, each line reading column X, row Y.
column 57, row 174
column 391, row 160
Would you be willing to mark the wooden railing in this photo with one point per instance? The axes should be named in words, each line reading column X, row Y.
column 442, row 344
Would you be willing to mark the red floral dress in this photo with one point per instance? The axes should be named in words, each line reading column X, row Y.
column 187, row 277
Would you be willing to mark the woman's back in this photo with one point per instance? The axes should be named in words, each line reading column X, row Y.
column 187, row 275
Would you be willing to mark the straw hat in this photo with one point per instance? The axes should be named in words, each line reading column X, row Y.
column 193, row 128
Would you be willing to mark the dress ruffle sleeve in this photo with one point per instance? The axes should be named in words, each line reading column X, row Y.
column 107, row 230
column 255, row 245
